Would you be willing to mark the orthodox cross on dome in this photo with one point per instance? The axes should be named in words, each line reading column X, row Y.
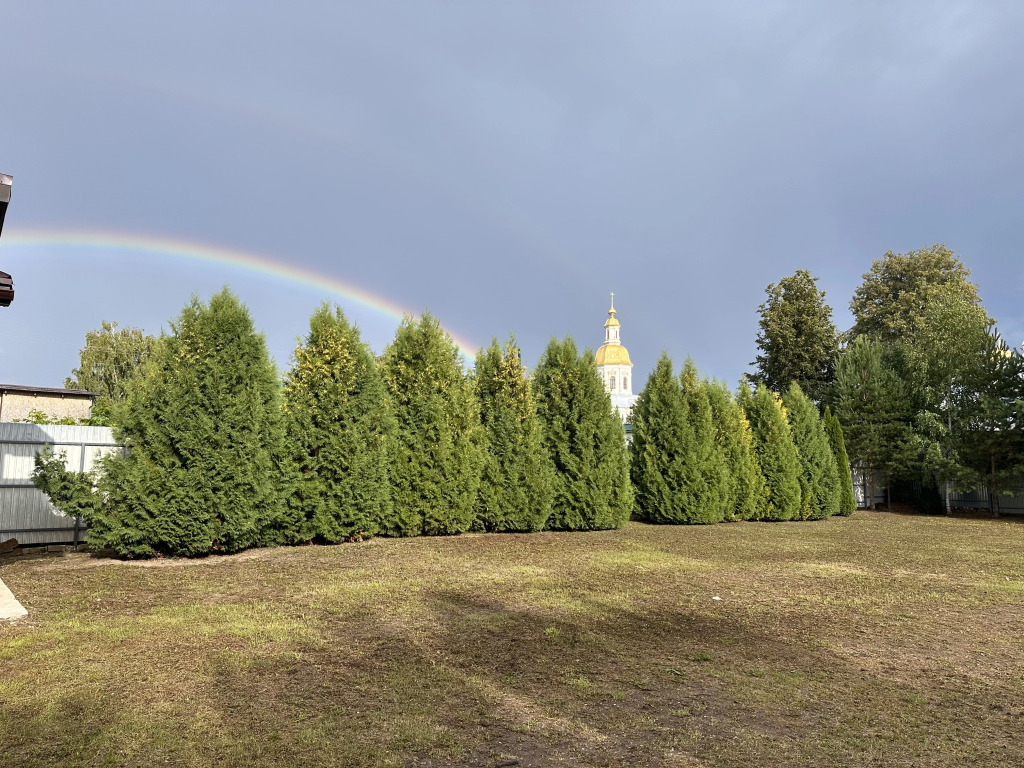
column 612, row 310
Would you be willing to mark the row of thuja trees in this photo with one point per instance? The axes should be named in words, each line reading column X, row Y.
column 699, row 455
column 219, row 456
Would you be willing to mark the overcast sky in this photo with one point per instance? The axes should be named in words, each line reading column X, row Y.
column 506, row 164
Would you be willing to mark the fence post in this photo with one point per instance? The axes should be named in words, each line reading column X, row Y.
column 81, row 470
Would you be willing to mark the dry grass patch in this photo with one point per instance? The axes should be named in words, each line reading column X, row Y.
column 875, row 640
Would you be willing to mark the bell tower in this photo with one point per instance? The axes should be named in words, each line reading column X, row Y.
column 614, row 365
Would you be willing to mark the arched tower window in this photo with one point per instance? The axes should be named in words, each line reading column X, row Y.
column 611, row 382
column 625, row 381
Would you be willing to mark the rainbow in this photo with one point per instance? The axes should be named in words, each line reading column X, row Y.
column 216, row 254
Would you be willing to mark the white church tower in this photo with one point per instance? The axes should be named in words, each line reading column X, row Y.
column 615, row 368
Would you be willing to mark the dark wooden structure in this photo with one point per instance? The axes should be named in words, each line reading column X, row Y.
column 6, row 290
column 6, row 283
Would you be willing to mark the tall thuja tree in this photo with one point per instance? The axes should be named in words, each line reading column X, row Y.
column 518, row 478
column 745, row 483
column 706, row 494
column 776, row 455
column 438, row 451
column 819, row 477
column 658, row 453
column 341, row 430
column 876, row 408
column 584, row 439
column 847, row 500
column 204, row 437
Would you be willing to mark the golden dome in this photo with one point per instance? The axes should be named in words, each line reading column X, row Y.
column 612, row 354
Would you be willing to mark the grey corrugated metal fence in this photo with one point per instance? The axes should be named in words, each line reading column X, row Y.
column 980, row 498
column 25, row 513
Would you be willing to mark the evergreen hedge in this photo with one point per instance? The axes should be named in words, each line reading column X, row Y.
column 438, row 450
column 518, row 477
column 847, row 500
column 657, row 453
column 584, row 439
column 775, row 452
column 745, row 486
column 341, row 431
column 706, row 484
column 204, row 439
column 217, row 461
column 819, row 478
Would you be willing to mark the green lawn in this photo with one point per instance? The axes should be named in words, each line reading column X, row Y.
column 880, row 639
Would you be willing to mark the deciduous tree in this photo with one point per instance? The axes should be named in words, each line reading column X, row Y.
column 900, row 291
column 109, row 360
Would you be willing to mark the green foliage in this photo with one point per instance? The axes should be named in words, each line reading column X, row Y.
column 847, row 500
column 819, row 476
column 952, row 331
column 38, row 417
column 72, row 493
column 989, row 408
column 341, row 430
column 658, row 451
column 203, row 430
column 875, row 406
column 108, row 361
column 706, row 493
column 439, row 452
column 776, row 454
column 745, row 486
column 893, row 302
column 798, row 340
column 584, row 439
column 518, row 477
column 927, row 315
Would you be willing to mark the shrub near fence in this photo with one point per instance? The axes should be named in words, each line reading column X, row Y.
column 25, row 512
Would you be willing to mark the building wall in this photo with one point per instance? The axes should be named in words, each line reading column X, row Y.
column 15, row 406
column 617, row 378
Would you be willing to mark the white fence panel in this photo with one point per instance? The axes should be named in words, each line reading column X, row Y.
column 861, row 486
column 25, row 513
